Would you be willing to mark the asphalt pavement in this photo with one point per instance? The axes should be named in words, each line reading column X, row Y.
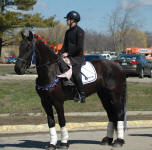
column 136, row 139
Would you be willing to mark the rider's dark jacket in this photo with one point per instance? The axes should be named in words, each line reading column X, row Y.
column 73, row 45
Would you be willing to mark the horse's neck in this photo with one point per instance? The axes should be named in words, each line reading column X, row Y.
column 46, row 60
column 47, row 74
column 45, row 52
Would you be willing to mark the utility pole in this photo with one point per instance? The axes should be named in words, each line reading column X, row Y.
column 2, row 3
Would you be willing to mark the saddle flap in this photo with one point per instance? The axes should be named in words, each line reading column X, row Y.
column 88, row 73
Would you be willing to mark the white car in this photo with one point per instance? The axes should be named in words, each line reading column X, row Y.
column 107, row 56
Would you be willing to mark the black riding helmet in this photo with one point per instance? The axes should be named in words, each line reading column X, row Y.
column 73, row 15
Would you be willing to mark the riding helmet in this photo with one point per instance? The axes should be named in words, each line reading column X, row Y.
column 73, row 15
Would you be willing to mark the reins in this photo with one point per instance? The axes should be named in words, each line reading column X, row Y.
column 22, row 60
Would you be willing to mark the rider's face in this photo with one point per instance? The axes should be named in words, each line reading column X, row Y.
column 69, row 22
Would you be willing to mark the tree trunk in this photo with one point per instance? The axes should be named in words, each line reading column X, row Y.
column 0, row 46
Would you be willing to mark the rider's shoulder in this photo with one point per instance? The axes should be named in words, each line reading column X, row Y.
column 79, row 29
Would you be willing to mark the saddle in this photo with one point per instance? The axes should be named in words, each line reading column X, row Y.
column 88, row 74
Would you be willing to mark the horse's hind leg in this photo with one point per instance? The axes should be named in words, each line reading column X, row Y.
column 61, row 118
column 119, row 109
column 114, row 106
column 105, row 98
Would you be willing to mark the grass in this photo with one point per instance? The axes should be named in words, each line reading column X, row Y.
column 21, row 97
column 139, row 96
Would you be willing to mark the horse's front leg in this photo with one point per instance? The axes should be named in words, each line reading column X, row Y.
column 61, row 118
column 51, row 123
column 53, row 133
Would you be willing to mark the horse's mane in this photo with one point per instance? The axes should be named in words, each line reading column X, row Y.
column 48, row 52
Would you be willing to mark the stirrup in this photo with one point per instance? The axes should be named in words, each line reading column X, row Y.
column 79, row 99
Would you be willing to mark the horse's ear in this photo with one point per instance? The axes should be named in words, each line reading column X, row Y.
column 30, row 36
column 23, row 36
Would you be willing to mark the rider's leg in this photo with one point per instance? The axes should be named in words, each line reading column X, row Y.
column 62, row 65
column 78, row 82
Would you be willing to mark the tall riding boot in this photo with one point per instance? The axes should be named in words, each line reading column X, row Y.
column 81, row 94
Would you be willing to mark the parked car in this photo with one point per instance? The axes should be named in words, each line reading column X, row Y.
column 89, row 57
column 107, row 56
column 113, row 55
column 135, row 64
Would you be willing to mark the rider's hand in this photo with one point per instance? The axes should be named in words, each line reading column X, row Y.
column 64, row 55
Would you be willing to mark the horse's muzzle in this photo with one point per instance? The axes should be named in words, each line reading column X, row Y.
column 20, row 68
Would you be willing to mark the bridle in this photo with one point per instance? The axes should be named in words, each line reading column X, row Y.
column 27, row 61
column 22, row 60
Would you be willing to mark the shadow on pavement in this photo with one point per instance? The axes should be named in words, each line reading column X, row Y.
column 84, row 142
column 148, row 135
column 26, row 144
column 41, row 145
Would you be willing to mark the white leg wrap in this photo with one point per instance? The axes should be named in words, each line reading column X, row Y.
column 53, row 136
column 120, row 129
column 110, row 129
column 64, row 135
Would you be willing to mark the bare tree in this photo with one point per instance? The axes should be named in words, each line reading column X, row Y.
column 121, row 20
column 54, row 34
column 97, row 42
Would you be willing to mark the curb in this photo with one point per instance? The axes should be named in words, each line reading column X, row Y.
column 11, row 129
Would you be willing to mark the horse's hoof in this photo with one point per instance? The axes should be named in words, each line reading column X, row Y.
column 106, row 141
column 50, row 147
column 118, row 143
column 63, row 146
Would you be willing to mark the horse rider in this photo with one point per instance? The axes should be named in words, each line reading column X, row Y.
column 73, row 49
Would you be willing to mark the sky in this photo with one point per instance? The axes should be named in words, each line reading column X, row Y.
column 94, row 13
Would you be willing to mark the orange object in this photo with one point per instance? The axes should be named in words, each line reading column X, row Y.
column 57, row 48
column 135, row 50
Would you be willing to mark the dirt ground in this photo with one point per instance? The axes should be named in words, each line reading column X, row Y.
column 41, row 119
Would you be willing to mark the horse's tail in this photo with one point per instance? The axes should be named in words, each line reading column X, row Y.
column 123, row 98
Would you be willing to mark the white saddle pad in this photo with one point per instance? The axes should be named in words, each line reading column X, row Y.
column 88, row 73
column 87, row 70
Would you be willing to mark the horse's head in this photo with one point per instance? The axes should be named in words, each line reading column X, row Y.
column 25, row 54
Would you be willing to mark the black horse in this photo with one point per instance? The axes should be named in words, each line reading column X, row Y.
column 110, row 86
